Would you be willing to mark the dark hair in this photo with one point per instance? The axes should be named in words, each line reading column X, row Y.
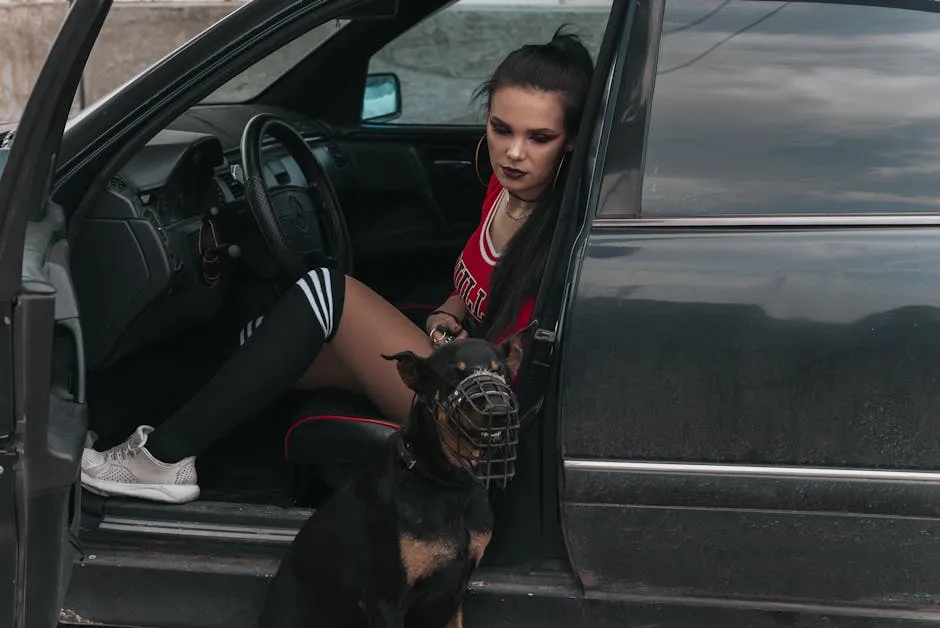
column 564, row 66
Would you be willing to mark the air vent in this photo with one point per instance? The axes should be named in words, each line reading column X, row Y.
column 234, row 185
column 337, row 155
column 118, row 184
column 238, row 190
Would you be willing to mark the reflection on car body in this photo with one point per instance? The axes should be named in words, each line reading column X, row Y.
column 784, row 108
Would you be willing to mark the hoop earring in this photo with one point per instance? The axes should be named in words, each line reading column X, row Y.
column 561, row 164
column 476, row 161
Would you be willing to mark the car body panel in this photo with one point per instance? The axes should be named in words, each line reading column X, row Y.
column 767, row 432
column 748, row 401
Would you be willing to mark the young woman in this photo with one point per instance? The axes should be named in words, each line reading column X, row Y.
column 330, row 330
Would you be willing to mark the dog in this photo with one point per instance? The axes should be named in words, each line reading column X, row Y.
column 396, row 546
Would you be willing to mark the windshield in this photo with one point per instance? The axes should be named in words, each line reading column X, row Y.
column 258, row 77
column 136, row 36
column 105, row 78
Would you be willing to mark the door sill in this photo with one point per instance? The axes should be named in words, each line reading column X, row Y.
column 128, row 523
column 159, row 588
column 207, row 565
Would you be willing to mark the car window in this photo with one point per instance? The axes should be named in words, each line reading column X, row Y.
column 440, row 62
column 258, row 77
column 793, row 108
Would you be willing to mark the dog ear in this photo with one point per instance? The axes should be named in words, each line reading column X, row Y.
column 412, row 369
column 513, row 346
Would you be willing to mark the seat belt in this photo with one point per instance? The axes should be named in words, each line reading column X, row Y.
column 539, row 354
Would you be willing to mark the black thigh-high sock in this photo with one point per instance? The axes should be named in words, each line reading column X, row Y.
column 275, row 353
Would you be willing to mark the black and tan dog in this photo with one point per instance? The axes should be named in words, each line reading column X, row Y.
column 397, row 546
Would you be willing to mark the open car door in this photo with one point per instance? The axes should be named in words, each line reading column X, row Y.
column 42, row 413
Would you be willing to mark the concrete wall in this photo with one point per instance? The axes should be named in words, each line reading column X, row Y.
column 440, row 62
column 135, row 35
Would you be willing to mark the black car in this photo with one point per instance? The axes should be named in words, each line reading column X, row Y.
column 738, row 353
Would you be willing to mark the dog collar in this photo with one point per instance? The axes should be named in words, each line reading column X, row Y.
column 405, row 454
column 410, row 462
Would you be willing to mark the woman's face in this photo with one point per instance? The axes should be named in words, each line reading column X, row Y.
column 525, row 134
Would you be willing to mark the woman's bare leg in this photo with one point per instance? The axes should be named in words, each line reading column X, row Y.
column 353, row 360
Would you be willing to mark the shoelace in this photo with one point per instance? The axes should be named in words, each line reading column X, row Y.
column 123, row 451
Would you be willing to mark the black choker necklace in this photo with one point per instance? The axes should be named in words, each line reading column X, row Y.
column 524, row 200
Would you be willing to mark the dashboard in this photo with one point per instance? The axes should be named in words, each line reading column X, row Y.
column 172, row 228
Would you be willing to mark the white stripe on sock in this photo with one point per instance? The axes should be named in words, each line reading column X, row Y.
column 325, row 301
column 313, row 282
column 329, row 293
column 249, row 329
column 302, row 282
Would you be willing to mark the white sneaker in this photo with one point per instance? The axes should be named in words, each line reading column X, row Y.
column 130, row 470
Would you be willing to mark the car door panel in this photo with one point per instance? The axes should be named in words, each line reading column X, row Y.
column 417, row 200
column 752, row 555
column 764, row 434
column 54, row 390
column 41, row 379
column 9, row 539
column 51, row 458
column 750, row 385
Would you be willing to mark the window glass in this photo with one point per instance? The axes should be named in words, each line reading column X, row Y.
column 262, row 74
column 441, row 61
column 794, row 108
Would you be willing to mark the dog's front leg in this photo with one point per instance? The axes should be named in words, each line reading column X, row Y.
column 479, row 540
column 457, row 621
column 383, row 613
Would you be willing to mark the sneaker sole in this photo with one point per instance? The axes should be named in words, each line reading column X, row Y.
column 165, row 493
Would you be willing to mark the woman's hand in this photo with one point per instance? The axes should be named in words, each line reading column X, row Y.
column 444, row 326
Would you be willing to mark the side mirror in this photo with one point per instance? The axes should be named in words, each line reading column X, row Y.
column 382, row 99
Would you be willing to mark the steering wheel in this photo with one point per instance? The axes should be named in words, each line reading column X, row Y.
column 288, row 215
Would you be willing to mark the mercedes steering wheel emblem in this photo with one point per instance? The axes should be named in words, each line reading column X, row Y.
column 299, row 217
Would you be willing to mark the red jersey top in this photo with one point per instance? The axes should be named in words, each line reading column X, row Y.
column 474, row 268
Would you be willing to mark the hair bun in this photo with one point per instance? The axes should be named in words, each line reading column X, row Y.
column 566, row 41
column 568, row 45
